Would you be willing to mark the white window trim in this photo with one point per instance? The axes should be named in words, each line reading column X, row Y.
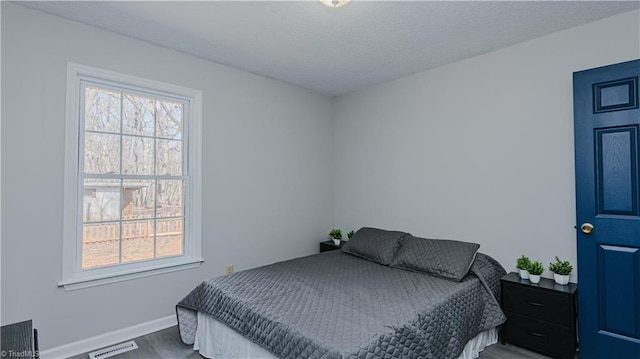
column 73, row 276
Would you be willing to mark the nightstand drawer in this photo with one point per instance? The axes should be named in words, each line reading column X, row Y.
column 329, row 246
column 543, row 305
column 549, row 339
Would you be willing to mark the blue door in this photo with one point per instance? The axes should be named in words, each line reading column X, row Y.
column 606, row 125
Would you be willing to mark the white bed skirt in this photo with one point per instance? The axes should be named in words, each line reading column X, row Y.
column 216, row 340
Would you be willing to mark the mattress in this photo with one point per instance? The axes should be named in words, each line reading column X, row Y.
column 334, row 305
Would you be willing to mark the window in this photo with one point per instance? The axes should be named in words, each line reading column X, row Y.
column 132, row 178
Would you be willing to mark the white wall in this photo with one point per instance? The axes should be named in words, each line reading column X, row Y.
column 480, row 150
column 266, row 158
column 0, row 173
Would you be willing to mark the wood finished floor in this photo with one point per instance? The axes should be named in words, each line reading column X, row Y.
column 166, row 344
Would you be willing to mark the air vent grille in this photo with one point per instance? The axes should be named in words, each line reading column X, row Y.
column 113, row 350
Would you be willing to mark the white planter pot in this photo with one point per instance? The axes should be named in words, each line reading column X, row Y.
column 336, row 242
column 524, row 274
column 561, row 279
column 534, row 278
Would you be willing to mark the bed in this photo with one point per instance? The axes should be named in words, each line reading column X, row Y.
column 340, row 305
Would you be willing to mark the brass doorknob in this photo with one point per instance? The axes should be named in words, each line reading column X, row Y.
column 586, row 228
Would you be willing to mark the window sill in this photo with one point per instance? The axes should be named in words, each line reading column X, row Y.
column 87, row 281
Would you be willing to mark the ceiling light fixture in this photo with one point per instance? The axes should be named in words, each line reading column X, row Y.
column 335, row 3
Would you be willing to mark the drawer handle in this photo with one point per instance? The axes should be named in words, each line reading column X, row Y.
column 537, row 334
column 535, row 304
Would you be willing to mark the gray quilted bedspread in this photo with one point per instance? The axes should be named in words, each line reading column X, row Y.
column 335, row 305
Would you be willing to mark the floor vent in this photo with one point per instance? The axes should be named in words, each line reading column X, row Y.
column 113, row 350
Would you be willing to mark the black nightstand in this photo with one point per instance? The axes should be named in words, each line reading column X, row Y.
column 540, row 317
column 329, row 246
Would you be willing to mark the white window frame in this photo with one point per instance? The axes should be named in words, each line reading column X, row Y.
column 73, row 275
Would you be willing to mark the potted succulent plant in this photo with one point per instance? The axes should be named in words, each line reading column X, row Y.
column 561, row 271
column 523, row 264
column 350, row 234
column 336, row 235
column 535, row 269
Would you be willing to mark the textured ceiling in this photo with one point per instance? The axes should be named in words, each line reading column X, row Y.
column 334, row 51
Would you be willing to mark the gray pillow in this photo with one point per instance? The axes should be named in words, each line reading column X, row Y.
column 374, row 244
column 444, row 258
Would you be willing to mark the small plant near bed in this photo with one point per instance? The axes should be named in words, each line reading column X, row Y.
column 336, row 235
column 350, row 234
column 561, row 271
column 535, row 269
column 523, row 264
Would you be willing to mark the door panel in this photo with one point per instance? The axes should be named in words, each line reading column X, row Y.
column 617, row 182
column 615, row 95
column 606, row 125
column 618, row 271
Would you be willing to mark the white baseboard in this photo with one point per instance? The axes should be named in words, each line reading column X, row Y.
column 106, row 339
